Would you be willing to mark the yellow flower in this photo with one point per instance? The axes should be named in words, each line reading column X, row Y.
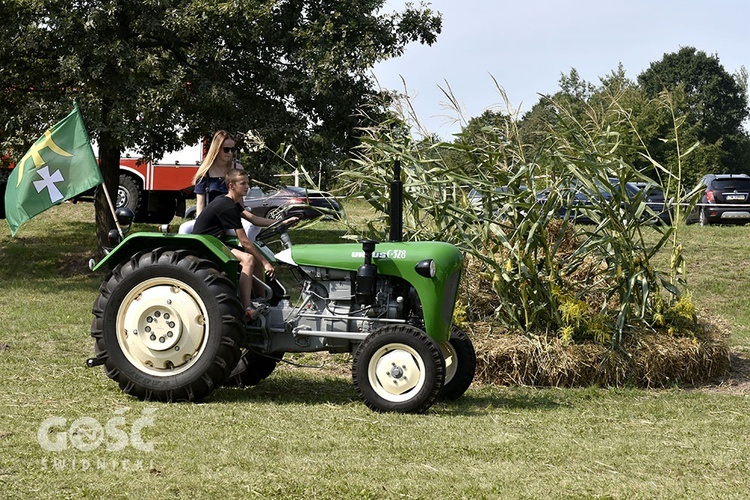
column 567, row 334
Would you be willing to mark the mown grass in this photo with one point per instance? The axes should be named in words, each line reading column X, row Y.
column 302, row 433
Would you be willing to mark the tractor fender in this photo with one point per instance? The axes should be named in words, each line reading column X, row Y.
column 205, row 246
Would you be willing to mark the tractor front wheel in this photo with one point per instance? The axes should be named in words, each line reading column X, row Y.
column 460, row 364
column 398, row 369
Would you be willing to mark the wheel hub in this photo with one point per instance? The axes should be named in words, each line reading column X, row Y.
column 162, row 329
column 122, row 197
column 397, row 372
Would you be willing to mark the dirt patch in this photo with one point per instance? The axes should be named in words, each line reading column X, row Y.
column 737, row 379
column 74, row 264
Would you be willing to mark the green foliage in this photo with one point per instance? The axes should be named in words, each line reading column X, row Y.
column 716, row 100
column 709, row 104
column 159, row 74
column 548, row 273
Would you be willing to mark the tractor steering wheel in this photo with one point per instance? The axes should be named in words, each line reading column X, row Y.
column 277, row 228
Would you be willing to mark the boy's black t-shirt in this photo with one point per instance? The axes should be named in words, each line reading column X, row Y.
column 219, row 216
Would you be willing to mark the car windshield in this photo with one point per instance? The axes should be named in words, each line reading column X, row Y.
column 732, row 184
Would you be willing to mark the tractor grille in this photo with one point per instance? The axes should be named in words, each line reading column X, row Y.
column 449, row 297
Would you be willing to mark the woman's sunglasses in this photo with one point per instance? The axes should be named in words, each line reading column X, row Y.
column 229, row 150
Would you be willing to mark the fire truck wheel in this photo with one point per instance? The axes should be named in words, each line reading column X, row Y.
column 460, row 364
column 398, row 368
column 129, row 194
column 167, row 326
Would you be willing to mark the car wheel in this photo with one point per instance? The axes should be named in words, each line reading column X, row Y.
column 278, row 213
column 703, row 218
column 190, row 212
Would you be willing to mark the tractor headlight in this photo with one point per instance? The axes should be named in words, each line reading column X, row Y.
column 125, row 217
column 426, row 268
column 114, row 238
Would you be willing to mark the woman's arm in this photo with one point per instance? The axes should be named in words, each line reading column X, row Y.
column 200, row 203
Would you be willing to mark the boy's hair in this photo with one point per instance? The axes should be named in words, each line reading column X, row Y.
column 234, row 175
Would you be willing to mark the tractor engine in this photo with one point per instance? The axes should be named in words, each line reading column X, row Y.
column 330, row 312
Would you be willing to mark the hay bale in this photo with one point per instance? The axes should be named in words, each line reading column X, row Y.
column 653, row 360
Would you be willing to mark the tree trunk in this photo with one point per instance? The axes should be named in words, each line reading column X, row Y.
column 109, row 164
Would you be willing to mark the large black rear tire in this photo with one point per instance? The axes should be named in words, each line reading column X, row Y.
column 167, row 325
column 703, row 218
column 398, row 369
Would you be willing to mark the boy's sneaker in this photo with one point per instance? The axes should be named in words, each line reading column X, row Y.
column 252, row 312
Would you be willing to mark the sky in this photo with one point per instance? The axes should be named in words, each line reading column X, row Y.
column 524, row 46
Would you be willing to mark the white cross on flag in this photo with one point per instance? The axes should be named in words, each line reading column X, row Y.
column 48, row 182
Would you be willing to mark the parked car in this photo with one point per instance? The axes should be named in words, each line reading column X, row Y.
column 652, row 196
column 292, row 201
column 475, row 199
column 581, row 205
column 726, row 200
column 289, row 201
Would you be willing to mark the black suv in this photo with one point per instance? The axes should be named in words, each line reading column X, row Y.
column 725, row 201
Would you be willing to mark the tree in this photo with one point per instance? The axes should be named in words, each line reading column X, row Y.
column 159, row 74
column 715, row 102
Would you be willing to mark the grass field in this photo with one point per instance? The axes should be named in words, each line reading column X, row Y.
column 303, row 433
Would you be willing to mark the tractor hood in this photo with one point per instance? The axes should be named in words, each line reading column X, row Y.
column 392, row 258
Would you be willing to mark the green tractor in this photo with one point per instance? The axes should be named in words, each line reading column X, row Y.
column 168, row 322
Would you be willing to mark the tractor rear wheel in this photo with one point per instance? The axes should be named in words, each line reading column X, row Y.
column 257, row 368
column 166, row 324
column 398, row 369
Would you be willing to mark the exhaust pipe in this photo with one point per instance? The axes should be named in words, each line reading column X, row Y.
column 397, row 203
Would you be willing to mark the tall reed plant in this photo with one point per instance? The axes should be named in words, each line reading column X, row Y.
column 517, row 213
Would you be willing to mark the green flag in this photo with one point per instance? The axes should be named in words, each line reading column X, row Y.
column 59, row 166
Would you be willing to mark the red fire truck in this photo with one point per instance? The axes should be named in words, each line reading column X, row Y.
column 155, row 191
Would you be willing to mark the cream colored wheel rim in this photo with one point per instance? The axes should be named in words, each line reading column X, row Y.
column 161, row 327
column 396, row 372
column 451, row 365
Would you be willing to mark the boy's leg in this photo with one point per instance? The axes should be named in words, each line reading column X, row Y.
column 247, row 262
column 258, row 289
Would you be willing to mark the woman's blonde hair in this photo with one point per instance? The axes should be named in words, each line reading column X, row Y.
column 213, row 152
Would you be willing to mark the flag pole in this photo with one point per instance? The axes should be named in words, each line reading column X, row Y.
column 103, row 184
column 112, row 209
